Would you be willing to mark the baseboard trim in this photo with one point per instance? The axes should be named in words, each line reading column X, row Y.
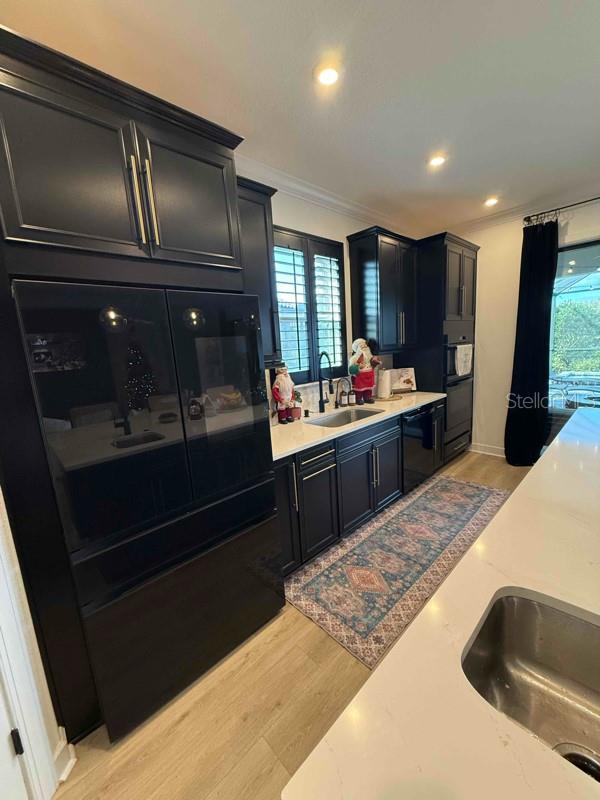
column 487, row 449
column 64, row 757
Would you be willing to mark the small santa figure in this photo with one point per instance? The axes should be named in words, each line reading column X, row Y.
column 283, row 394
column 362, row 369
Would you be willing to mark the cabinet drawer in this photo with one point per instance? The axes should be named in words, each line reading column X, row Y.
column 323, row 453
column 456, row 446
column 346, row 443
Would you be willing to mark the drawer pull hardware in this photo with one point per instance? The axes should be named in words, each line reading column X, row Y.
column 152, row 203
column 316, row 458
column 138, row 199
column 295, row 487
column 314, row 474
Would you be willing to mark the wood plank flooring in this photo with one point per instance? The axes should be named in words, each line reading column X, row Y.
column 242, row 729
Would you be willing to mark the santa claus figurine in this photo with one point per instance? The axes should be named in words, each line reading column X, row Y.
column 362, row 369
column 283, row 395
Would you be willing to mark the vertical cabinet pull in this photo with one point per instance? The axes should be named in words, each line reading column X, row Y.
column 403, row 327
column 295, row 479
column 462, row 299
column 150, row 187
column 137, row 198
column 435, row 435
column 374, row 468
column 377, row 462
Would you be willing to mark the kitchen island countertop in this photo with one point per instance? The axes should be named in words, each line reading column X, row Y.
column 417, row 729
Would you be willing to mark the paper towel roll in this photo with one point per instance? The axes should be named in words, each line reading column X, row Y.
column 384, row 383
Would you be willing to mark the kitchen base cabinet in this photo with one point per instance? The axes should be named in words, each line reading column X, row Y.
column 286, row 494
column 355, row 481
column 387, row 454
column 318, row 502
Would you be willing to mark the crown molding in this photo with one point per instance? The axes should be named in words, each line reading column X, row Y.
column 549, row 201
column 311, row 193
column 317, row 195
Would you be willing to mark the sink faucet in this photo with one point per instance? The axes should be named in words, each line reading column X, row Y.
column 337, row 391
column 322, row 401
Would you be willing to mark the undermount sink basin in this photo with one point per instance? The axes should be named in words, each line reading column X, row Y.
column 345, row 417
column 133, row 439
column 541, row 667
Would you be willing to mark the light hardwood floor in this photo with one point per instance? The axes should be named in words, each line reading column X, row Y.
column 243, row 729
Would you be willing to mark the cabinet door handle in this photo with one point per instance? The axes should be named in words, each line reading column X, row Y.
column 462, row 299
column 403, row 327
column 314, row 474
column 316, row 458
column 377, row 462
column 399, row 327
column 137, row 198
column 148, row 173
column 435, row 435
column 374, row 468
column 295, row 486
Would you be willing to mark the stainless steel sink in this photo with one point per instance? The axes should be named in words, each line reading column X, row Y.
column 133, row 439
column 345, row 417
column 541, row 667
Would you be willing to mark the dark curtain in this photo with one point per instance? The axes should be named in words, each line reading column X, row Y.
column 527, row 419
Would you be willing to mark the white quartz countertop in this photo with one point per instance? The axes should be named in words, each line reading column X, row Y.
column 300, row 435
column 417, row 730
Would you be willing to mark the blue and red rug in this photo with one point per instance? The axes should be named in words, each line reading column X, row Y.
column 366, row 590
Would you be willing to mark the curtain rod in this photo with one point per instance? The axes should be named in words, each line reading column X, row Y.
column 528, row 218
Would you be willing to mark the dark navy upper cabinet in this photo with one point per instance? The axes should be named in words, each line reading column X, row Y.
column 67, row 172
column 89, row 162
column 384, row 300
column 191, row 197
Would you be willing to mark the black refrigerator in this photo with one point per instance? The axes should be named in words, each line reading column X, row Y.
column 153, row 408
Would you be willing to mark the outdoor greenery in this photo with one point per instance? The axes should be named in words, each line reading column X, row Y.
column 576, row 337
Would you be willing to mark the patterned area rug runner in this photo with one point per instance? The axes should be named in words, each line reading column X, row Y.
column 366, row 590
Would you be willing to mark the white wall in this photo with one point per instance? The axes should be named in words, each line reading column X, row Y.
column 498, row 272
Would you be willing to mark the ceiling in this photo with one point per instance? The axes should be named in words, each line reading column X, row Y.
column 507, row 88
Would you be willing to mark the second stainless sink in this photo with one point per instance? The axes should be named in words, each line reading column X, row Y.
column 541, row 667
column 345, row 417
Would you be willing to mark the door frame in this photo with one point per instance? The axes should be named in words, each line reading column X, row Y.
column 19, row 681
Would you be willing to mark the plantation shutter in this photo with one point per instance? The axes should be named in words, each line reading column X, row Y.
column 291, row 282
column 329, row 304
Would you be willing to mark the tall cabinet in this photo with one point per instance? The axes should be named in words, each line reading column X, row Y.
column 256, row 224
column 446, row 291
column 383, row 273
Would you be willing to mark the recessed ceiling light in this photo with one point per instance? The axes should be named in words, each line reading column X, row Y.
column 570, row 270
column 572, row 263
column 328, row 76
column 437, row 161
column 597, row 269
column 491, row 201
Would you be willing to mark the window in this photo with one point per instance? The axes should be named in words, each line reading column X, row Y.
column 309, row 276
column 575, row 331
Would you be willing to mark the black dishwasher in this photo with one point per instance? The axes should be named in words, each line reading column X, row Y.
column 422, row 443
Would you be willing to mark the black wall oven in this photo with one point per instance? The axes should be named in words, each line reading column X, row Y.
column 153, row 410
